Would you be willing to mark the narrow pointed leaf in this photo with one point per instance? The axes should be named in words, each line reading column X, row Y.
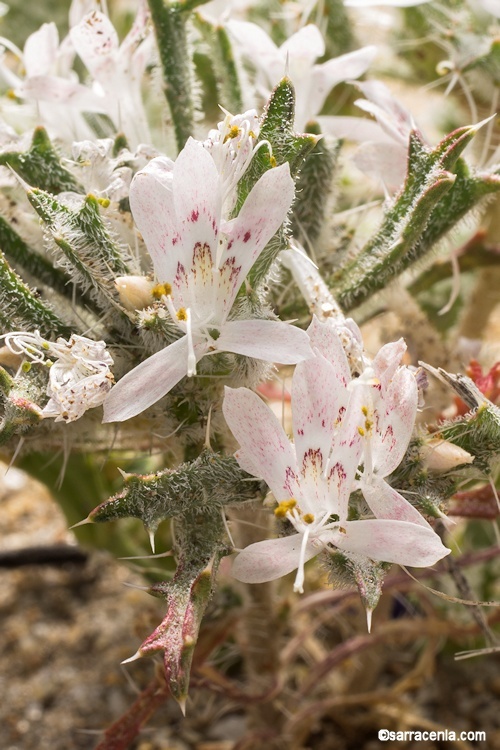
column 439, row 190
column 22, row 309
column 41, row 165
column 210, row 482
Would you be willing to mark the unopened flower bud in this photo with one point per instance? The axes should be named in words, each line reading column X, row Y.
column 8, row 358
column 134, row 291
column 440, row 455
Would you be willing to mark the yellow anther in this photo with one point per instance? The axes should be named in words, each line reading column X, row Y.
column 361, row 431
column 251, row 134
column 308, row 518
column 26, row 366
column 284, row 507
column 273, row 161
column 364, row 409
column 104, row 202
column 182, row 314
column 233, row 132
column 46, row 345
column 368, row 424
column 161, row 290
column 10, row 94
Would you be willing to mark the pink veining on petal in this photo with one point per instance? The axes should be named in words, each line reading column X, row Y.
column 262, row 440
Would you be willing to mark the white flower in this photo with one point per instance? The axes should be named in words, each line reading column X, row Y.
column 296, row 58
column 79, row 375
column 201, row 261
column 312, row 479
column 116, row 72
column 117, row 69
column 48, row 80
column 232, row 146
column 383, row 152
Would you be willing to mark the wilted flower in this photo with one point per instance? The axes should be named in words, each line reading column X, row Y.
column 79, row 374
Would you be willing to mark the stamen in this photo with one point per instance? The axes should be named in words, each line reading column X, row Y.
column 191, row 363
column 284, row 507
column 298, row 586
column 161, row 290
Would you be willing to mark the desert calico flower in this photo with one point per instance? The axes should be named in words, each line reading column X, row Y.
column 201, row 260
column 342, row 428
column 232, row 146
column 297, row 58
column 79, row 374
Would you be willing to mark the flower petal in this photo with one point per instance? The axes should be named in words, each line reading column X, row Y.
column 152, row 186
column 354, row 129
column 148, row 382
column 40, row 50
column 387, row 360
column 395, row 119
column 58, row 90
column 270, row 559
column 397, row 411
column 263, row 212
column 386, row 502
column 389, row 541
column 197, row 201
column 259, row 48
column 386, row 162
column 270, row 340
column 332, row 72
column 318, row 399
column 325, row 338
column 265, row 451
column 96, row 42
column 303, row 49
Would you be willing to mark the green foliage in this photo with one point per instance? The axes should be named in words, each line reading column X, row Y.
column 31, row 261
column 205, row 485
column 170, row 19
column 200, row 544
column 439, row 190
column 285, row 146
column 314, row 187
column 19, row 399
column 41, row 166
column 479, row 431
column 93, row 257
column 21, row 308
column 221, row 58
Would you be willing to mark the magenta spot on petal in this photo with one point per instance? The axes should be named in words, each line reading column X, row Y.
column 195, row 215
column 247, row 236
column 300, row 432
column 312, row 461
column 230, row 244
column 337, row 471
column 290, row 480
column 174, row 240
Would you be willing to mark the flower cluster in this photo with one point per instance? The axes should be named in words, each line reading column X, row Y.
column 349, row 434
column 201, row 259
